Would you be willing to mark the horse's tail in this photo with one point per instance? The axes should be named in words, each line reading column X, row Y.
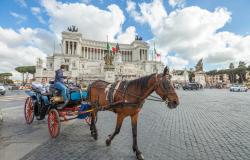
column 89, row 91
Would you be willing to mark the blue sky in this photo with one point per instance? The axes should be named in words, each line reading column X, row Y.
column 240, row 23
column 226, row 24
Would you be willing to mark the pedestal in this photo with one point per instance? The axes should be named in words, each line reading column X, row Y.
column 200, row 78
column 109, row 72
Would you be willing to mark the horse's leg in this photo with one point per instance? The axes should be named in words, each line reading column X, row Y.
column 93, row 126
column 119, row 120
column 134, row 132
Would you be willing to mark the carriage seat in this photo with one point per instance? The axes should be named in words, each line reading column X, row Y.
column 74, row 89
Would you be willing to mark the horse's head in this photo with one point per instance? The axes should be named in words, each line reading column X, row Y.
column 165, row 89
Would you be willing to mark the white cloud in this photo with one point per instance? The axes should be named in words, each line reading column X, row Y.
column 150, row 12
column 22, row 3
column 176, row 62
column 86, row 1
column 176, row 3
column 20, row 18
column 92, row 22
column 131, row 6
column 41, row 20
column 193, row 33
column 23, row 47
column 35, row 10
column 128, row 36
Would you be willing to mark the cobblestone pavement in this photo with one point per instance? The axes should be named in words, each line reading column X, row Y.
column 208, row 124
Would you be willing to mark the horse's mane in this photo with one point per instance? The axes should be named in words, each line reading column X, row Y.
column 140, row 82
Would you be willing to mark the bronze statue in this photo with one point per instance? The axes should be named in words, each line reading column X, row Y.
column 72, row 28
column 199, row 65
column 139, row 38
column 108, row 58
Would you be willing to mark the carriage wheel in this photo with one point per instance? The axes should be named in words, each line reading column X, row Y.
column 54, row 123
column 29, row 110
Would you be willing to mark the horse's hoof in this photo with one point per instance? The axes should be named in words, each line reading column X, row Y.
column 134, row 149
column 140, row 156
column 95, row 136
column 108, row 142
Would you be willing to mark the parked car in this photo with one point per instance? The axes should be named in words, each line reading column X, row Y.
column 2, row 90
column 13, row 87
column 191, row 86
column 238, row 88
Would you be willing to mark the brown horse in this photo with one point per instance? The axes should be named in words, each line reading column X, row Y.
column 126, row 98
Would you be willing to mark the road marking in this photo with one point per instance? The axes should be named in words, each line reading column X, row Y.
column 12, row 98
column 11, row 108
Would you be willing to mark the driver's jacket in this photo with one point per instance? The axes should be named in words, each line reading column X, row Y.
column 59, row 76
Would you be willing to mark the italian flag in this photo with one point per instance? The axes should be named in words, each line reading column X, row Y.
column 108, row 46
column 114, row 49
column 157, row 54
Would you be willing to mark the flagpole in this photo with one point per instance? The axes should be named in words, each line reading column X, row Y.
column 154, row 52
column 107, row 43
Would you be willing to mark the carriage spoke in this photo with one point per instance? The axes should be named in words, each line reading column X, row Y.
column 28, row 111
column 53, row 123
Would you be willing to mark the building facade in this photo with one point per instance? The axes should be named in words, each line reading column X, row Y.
column 180, row 76
column 84, row 59
column 218, row 80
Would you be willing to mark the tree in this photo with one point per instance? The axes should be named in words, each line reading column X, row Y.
column 212, row 72
column 4, row 78
column 231, row 74
column 231, row 66
column 25, row 71
column 242, row 64
column 32, row 70
column 241, row 71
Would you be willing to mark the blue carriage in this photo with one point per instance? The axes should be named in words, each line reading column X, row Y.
column 39, row 104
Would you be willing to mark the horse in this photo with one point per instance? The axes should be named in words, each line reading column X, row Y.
column 126, row 98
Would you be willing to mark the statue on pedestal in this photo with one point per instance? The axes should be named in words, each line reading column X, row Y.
column 39, row 63
column 109, row 68
column 199, row 66
column 108, row 58
column 199, row 73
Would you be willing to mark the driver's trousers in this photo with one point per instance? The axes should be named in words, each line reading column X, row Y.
column 64, row 90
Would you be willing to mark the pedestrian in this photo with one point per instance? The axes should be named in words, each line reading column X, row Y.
column 45, row 89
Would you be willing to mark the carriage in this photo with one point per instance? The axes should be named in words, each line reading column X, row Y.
column 77, row 108
column 125, row 98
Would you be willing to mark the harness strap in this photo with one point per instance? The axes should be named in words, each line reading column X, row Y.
column 124, row 90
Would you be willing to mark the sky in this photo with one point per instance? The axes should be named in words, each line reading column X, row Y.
column 183, row 31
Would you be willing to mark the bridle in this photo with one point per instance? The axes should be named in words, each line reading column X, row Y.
column 164, row 85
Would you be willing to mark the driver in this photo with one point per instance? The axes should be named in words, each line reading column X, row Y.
column 59, row 84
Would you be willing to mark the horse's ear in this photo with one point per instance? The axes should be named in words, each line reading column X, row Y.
column 166, row 71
